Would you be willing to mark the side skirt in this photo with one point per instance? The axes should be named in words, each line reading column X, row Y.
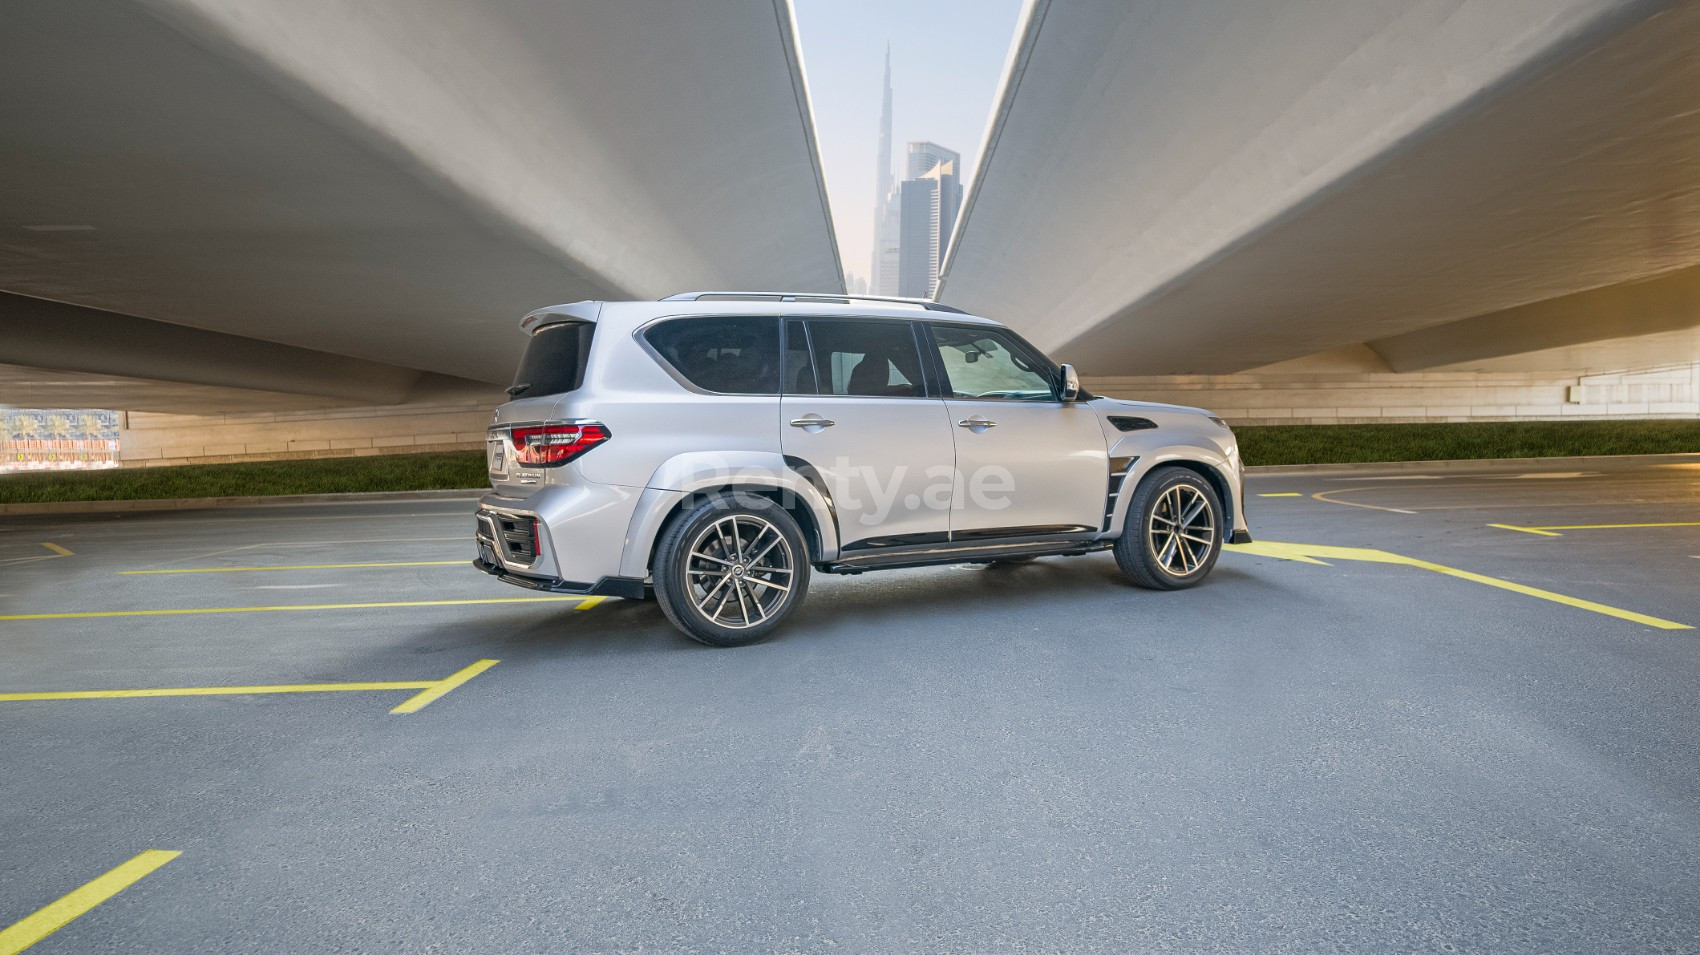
column 978, row 552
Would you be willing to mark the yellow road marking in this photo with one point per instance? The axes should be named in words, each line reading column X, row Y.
column 419, row 701
column 1526, row 530
column 61, row 913
column 214, row 691
column 430, row 690
column 232, row 570
column 57, row 550
column 589, row 602
column 1546, row 530
column 78, row 615
column 1310, row 553
column 1283, row 494
column 1323, row 497
column 1270, row 549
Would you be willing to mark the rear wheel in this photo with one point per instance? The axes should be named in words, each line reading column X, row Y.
column 730, row 571
column 1174, row 531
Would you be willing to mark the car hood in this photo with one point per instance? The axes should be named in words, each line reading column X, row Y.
column 1123, row 406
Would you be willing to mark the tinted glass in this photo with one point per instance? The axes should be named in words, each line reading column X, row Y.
column 799, row 374
column 735, row 355
column 983, row 363
column 554, row 359
column 875, row 359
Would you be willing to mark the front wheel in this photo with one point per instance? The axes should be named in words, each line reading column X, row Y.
column 1174, row 530
column 731, row 570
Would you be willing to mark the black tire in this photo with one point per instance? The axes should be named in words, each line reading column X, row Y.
column 1149, row 552
column 693, row 591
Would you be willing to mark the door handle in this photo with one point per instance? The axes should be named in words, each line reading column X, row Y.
column 812, row 421
column 976, row 422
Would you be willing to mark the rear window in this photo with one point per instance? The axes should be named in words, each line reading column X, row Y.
column 735, row 355
column 554, row 360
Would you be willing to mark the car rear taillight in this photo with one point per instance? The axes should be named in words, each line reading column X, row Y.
column 552, row 445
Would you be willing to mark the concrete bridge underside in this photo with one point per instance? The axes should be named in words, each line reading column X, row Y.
column 1208, row 187
column 236, row 204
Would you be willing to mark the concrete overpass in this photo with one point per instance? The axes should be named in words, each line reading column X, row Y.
column 1204, row 188
column 237, row 205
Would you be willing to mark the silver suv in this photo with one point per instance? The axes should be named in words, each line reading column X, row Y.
column 714, row 448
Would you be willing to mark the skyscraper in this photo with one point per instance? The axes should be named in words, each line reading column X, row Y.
column 924, row 156
column 882, row 272
column 928, row 203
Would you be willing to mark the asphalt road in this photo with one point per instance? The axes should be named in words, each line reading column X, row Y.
column 1308, row 753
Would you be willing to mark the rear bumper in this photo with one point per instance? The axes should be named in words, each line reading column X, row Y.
column 629, row 587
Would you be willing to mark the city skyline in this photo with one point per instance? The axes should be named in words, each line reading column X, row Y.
column 953, row 50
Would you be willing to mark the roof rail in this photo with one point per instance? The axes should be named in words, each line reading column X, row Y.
column 828, row 297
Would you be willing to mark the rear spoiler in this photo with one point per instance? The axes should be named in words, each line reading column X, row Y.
column 554, row 314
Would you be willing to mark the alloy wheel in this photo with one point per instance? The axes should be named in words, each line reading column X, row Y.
column 739, row 571
column 1182, row 530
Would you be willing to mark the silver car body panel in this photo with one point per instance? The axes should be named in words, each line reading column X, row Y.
column 600, row 515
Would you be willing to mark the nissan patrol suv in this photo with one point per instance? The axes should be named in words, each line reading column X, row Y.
column 715, row 448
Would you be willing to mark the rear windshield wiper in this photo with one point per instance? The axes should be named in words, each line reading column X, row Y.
column 518, row 390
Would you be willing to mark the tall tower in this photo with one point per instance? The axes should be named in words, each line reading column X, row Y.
column 882, row 273
column 882, row 177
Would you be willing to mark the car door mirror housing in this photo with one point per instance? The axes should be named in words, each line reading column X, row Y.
column 1070, row 389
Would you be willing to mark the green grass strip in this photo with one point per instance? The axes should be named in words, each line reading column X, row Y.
column 392, row 472
column 1269, row 444
column 1475, row 440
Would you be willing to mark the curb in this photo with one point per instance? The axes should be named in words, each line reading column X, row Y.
column 1479, row 464
column 201, row 503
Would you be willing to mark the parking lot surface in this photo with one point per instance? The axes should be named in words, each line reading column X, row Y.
column 1442, row 710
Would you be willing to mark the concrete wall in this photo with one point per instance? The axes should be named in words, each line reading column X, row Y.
column 1276, row 396
column 1351, row 397
column 150, row 440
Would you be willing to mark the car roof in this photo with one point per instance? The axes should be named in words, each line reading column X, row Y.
column 634, row 314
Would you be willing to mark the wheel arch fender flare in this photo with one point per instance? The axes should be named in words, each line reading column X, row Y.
column 1201, row 457
column 689, row 477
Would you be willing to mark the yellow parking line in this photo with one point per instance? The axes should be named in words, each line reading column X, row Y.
column 232, row 570
column 214, row 691
column 82, row 614
column 61, row 913
column 1324, row 498
column 419, row 701
column 1309, row 553
column 430, row 690
column 1547, row 530
column 1526, row 530
column 57, row 550
column 589, row 602
column 1283, row 494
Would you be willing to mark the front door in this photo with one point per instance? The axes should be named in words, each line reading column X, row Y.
column 1029, row 463
column 855, row 412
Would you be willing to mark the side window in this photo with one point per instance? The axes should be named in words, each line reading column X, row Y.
column 799, row 373
column 873, row 358
column 735, row 355
column 987, row 363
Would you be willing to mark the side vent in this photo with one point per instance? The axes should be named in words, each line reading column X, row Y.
column 1118, row 473
column 1124, row 423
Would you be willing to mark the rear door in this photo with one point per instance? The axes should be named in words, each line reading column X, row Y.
column 1030, row 463
column 856, row 411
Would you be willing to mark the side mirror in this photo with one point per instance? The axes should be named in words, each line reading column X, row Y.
column 1070, row 384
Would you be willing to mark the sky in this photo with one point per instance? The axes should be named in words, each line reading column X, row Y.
column 947, row 60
